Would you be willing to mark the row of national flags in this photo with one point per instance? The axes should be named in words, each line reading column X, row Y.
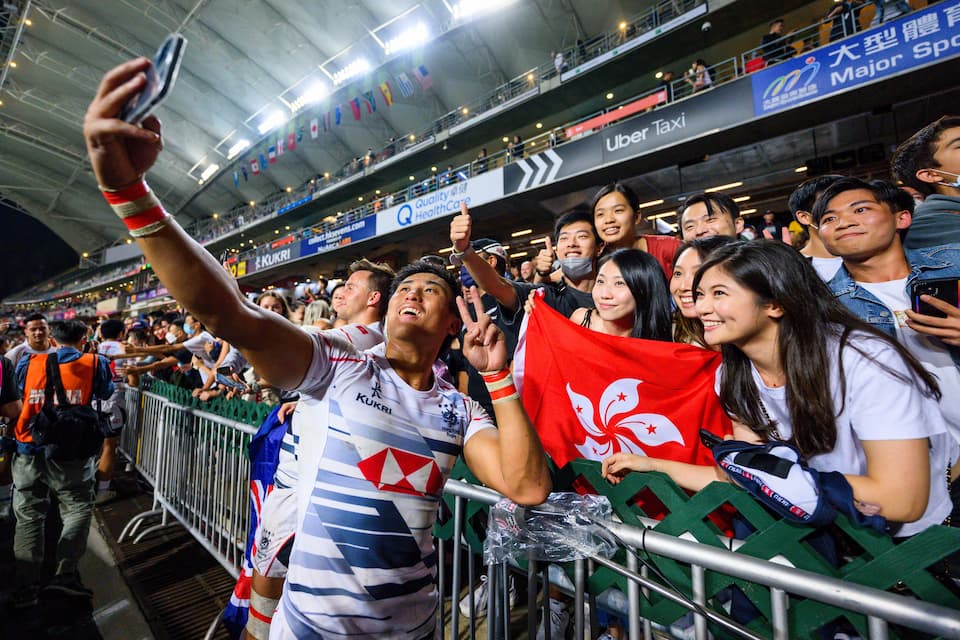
column 294, row 132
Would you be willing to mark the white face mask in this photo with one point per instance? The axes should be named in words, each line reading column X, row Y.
column 955, row 184
column 170, row 338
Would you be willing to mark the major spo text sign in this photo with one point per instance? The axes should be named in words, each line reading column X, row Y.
column 915, row 40
column 443, row 202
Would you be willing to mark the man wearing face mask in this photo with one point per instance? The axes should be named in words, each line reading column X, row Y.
column 929, row 162
column 577, row 248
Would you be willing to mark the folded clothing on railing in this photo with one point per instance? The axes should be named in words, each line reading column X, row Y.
column 778, row 476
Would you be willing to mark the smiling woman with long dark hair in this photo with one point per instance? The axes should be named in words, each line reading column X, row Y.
column 798, row 367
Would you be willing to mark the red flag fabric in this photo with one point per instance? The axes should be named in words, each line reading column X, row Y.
column 591, row 395
column 355, row 107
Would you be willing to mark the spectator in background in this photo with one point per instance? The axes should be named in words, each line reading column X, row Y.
column 616, row 215
column 111, row 346
column 770, row 228
column 774, row 43
column 336, row 304
column 801, row 203
column 698, row 76
column 578, row 248
column 902, row 7
column 666, row 84
column 687, row 327
column 929, row 162
column 275, row 301
column 709, row 214
column 844, row 18
column 37, row 333
column 559, row 63
column 481, row 161
column 515, row 148
column 526, row 271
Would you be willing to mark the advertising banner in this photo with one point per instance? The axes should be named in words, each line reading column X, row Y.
column 272, row 258
column 329, row 240
column 921, row 38
column 444, row 202
column 552, row 165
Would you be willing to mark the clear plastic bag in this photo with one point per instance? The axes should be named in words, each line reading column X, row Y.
column 568, row 526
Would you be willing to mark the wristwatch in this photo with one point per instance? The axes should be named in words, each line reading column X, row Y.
column 456, row 258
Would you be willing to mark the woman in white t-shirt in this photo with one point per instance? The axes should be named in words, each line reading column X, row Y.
column 798, row 366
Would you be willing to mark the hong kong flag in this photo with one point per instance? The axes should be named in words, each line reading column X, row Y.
column 591, row 395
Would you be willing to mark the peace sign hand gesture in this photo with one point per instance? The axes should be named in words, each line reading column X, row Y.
column 483, row 345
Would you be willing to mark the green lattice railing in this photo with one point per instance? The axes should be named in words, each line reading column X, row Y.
column 869, row 558
column 251, row 413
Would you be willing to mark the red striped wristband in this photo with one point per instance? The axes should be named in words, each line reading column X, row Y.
column 138, row 207
column 500, row 385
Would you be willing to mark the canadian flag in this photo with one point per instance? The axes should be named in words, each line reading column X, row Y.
column 255, row 166
column 591, row 395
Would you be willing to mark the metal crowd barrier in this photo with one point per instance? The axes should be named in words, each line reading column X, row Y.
column 197, row 463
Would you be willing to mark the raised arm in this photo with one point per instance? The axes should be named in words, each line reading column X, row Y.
column 120, row 154
column 509, row 459
column 486, row 276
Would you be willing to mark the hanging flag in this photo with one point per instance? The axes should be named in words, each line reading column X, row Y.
column 292, row 139
column 370, row 101
column 405, row 84
column 387, row 93
column 645, row 397
column 326, row 122
column 264, row 452
column 243, row 170
column 423, row 77
column 280, row 145
column 272, row 153
column 255, row 166
column 337, row 113
column 355, row 107
column 263, row 162
column 300, row 134
column 236, row 178
column 314, row 128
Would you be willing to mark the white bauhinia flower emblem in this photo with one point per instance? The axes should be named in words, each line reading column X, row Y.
column 619, row 430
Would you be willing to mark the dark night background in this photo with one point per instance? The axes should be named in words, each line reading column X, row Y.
column 29, row 252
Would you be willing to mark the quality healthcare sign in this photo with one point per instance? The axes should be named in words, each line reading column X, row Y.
column 919, row 39
column 480, row 189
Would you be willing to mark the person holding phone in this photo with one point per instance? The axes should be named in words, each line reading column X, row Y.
column 861, row 222
column 375, row 585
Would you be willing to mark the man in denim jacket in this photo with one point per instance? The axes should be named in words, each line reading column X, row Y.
column 863, row 223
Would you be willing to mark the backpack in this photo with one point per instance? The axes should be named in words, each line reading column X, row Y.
column 68, row 431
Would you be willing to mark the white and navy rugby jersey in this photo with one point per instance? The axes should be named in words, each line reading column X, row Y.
column 363, row 562
column 362, row 337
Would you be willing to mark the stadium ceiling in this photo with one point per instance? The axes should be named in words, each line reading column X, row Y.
column 245, row 58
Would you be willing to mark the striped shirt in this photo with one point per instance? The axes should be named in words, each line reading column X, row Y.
column 363, row 562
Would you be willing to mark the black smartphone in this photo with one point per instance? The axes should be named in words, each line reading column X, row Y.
column 160, row 78
column 225, row 371
column 947, row 289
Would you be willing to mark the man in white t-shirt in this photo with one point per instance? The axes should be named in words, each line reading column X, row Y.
column 363, row 562
column 37, row 332
column 111, row 334
column 862, row 223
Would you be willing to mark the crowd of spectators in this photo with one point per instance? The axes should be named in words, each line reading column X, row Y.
column 846, row 344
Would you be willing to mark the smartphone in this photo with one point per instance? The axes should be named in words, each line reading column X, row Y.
column 225, row 371
column 947, row 290
column 160, row 78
